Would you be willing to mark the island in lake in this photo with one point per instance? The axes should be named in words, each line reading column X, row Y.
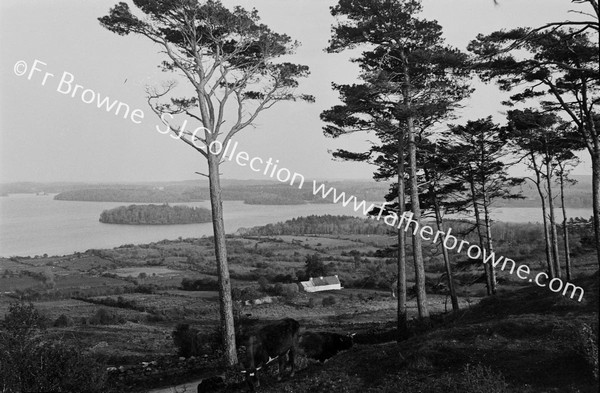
column 155, row 215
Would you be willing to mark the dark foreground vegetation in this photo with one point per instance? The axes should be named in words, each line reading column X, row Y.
column 32, row 361
column 155, row 215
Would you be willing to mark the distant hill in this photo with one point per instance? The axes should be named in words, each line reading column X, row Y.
column 261, row 192
column 578, row 195
column 139, row 195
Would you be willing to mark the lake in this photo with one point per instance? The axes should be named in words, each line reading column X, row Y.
column 34, row 225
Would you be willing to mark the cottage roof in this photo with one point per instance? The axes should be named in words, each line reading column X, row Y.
column 327, row 280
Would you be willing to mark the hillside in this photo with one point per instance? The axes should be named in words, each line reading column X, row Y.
column 529, row 340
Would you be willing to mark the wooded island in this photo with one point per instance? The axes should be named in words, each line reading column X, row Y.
column 155, row 215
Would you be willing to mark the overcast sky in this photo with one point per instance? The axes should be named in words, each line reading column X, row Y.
column 48, row 136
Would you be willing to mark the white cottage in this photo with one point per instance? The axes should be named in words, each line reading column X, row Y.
column 318, row 284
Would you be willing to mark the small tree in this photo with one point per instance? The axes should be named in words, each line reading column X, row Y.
column 315, row 266
column 186, row 340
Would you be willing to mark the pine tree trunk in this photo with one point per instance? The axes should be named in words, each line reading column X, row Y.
column 565, row 227
column 486, row 268
column 538, row 185
column 401, row 292
column 490, row 243
column 486, row 216
column 553, row 233
column 440, row 227
column 596, row 195
column 225, row 300
column 416, row 237
column 414, row 197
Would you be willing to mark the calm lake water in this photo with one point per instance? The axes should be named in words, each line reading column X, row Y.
column 34, row 225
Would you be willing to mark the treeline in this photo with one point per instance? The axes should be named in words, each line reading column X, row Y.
column 273, row 199
column 255, row 194
column 576, row 195
column 155, row 215
column 140, row 195
column 325, row 225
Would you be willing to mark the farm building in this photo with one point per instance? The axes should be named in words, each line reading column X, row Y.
column 318, row 284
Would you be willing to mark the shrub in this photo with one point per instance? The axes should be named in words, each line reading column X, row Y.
column 200, row 284
column 315, row 266
column 105, row 317
column 312, row 303
column 156, row 318
column 186, row 340
column 586, row 345
column 146, row 288
column 475, row 379
column 278, row 289
column 329, row 301
column 263, row 283
column 236, row 293
column 290, row 291
column 250, row 293
column 63, row 321
column 22, row 319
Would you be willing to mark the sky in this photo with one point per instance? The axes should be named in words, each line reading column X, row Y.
column 48, row 136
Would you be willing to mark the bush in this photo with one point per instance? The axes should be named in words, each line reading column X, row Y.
column 156, row 318
column 329, row 301
column 236, row 293
column 315, row 266
column 148, row 289
column 250, row 293
column 63, row 321
column 312, row 303
column 105, row 317
column 277, row 289
column 586, row 345
column 22, row 319
column 263, row 283
column 201, row 284
column 475, row 379
column 186, row 340
column 290, row 291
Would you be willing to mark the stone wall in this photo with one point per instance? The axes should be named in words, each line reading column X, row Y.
column 151, row 373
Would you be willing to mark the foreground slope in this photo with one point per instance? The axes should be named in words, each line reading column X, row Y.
column 526, row 341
